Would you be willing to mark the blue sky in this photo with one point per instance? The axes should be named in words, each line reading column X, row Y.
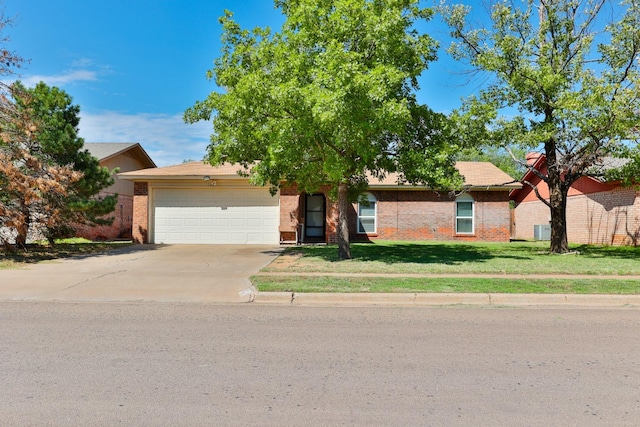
column 134, row 66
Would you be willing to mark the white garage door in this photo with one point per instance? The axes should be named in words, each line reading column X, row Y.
column 216, row 215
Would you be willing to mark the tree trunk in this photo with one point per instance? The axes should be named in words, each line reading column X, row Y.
column 558, row 200
column 21, row 239
column 344, row 248
column 559, row 240
column 22, row 228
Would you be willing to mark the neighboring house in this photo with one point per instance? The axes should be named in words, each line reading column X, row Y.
column 197, row 203
column 126, row 157
column 598, row 212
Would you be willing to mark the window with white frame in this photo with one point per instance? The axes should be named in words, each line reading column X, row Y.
column 465, row 214
column 367, row 210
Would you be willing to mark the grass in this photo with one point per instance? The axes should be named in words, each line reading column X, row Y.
column 462, row 258
column 493, row 259
column 64, row 248
column 444, row 285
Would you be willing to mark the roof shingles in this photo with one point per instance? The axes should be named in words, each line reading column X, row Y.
column 476, row 174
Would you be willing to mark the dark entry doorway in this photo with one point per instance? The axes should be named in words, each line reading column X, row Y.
column 315, row 216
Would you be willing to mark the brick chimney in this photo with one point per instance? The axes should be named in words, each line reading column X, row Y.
column 533, row 157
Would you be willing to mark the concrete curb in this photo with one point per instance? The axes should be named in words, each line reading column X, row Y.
column 437, row 299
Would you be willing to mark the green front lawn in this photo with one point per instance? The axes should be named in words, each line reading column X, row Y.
column 444, row 285
column 462, row 258
column 494, row 259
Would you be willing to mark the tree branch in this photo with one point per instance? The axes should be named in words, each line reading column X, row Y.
column 537, row 193
column 526, row 165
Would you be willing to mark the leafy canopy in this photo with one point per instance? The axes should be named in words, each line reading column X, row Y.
column 328, row 98
column 568, row 73
column 318, row 102
column 570, row 76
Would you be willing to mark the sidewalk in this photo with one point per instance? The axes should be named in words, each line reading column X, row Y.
column 411, row 299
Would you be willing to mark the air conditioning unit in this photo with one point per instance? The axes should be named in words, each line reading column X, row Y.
column 542, row 232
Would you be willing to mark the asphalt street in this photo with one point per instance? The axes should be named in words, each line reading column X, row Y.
column 179, row 364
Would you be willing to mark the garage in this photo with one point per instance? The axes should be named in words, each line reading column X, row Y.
column 197, row 203
column 214, row 215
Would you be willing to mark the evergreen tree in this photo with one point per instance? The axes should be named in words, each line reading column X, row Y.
column 57, row 145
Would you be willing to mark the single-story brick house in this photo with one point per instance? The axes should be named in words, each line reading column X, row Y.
column 197, row 203
column 126, row 156
column 598, row 212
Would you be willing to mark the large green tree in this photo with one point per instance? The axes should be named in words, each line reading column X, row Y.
column 327, row 99
column 567, row 71
column 55, row 144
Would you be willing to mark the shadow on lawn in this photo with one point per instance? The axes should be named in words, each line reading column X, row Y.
column 34, row 253
column 620, row 252
column 442, row 253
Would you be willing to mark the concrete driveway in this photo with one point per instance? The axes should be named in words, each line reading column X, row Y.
column 160, row 273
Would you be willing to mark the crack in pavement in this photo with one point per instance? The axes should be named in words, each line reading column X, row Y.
column 94, row 278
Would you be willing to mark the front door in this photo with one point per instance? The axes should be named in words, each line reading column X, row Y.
column 314, row 216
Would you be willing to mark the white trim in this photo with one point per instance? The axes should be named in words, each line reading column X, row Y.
column 371, row 199
column 466, row 198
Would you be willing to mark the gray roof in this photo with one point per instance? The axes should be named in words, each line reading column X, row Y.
column 606, row 164
column 102, row 150
column 613, row 162
column 105, row 150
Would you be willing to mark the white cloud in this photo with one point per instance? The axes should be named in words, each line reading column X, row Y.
column 166, row 138
column 61, row 79
column 82, row 63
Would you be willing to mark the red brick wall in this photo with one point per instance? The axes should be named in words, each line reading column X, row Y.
column 140, row 226
column 493, row 216
column 409, row 215
column 609, row 218
column 402, row 215
column 289, row 212
column 292, row 212
column 120, row 228
column 427, row 215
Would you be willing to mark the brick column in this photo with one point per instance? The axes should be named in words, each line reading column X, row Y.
column 140, row 227
column 289, row 212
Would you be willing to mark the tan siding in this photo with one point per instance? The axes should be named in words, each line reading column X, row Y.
column 126, row 163
column 528, row 214
column 611, row 217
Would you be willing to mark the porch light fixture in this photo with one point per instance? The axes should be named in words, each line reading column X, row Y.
column 206, row 178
